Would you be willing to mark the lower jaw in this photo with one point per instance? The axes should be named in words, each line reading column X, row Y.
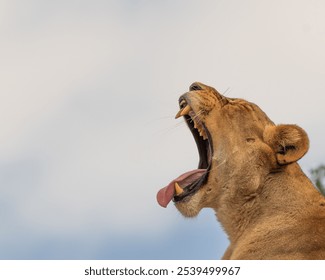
column 194, row 188
column 190, row 206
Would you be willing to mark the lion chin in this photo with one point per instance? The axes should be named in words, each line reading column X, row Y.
column 248, row 173
column 191, row 206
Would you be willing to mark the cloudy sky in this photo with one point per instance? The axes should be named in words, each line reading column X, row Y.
column 89, row 91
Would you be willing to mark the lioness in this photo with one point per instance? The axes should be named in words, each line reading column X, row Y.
column 248, row 173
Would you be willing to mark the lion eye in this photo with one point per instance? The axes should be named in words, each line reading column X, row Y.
column 194, row 87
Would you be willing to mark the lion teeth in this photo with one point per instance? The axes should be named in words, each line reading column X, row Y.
column 184, row 111
column 178, row 189
column 202, row 132
column 183, row 102
column 187, row 110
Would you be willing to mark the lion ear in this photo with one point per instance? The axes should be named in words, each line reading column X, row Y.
column 289, row 142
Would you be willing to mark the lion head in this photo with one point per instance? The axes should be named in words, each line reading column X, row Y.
column 238, row 145
column 248, row 173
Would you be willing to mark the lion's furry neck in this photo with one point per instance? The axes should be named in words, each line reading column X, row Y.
column 275, row 207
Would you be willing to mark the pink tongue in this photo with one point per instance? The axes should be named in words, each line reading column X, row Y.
column 166, row 194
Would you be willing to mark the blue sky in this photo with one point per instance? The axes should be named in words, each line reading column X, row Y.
column 89, row 91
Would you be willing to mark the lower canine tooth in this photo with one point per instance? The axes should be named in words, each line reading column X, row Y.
column 178, row 189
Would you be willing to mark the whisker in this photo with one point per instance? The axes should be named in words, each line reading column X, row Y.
column 223, row 98
column 213, row 168
column 170, row 129
column 163, row 118
column 228, row 89
column 197, row 115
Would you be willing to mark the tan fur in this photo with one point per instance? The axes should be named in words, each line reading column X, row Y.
column 266, row 204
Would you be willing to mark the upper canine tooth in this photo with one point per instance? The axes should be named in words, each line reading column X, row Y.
column 184, row 111
column 178, row 189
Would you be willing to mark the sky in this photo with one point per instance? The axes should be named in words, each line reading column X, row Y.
column 89, row 91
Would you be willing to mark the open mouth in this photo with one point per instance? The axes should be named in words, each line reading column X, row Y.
column 190, row 182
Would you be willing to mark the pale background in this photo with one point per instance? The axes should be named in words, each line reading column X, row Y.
column 89, row 91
